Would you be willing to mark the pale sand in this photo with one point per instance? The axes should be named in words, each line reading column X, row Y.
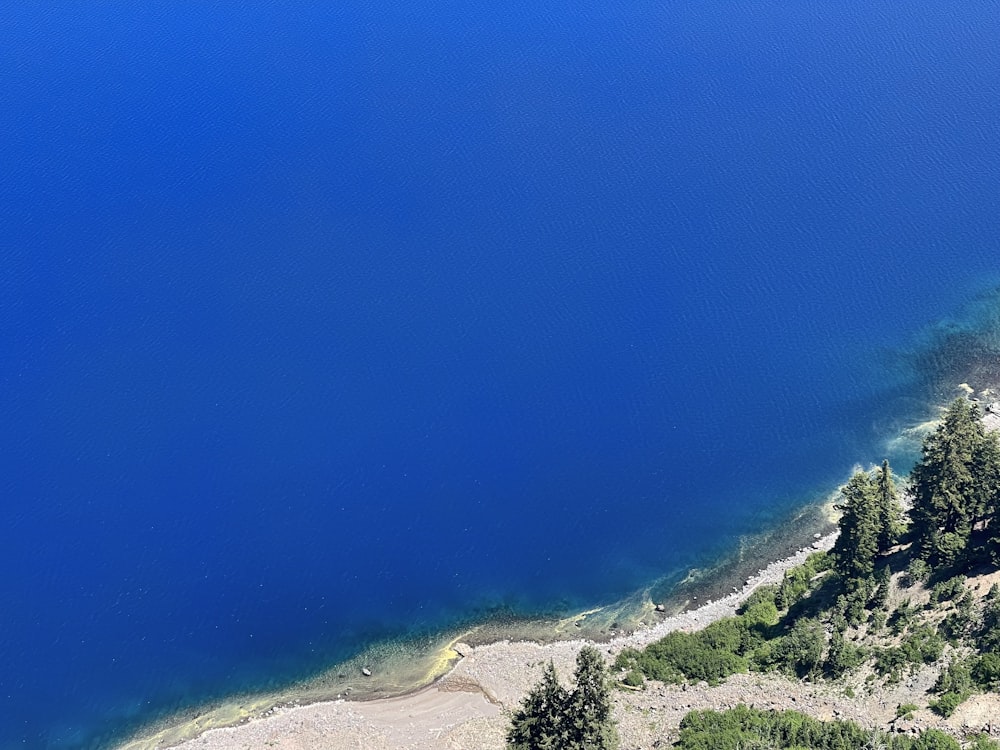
column 466, row 709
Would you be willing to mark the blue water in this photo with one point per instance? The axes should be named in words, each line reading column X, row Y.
column 326, row 322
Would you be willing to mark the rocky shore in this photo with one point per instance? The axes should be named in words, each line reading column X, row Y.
column 467, row 708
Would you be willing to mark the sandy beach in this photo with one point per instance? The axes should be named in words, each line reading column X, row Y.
column 466, row 708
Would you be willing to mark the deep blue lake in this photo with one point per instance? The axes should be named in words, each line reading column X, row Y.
column 326, row 322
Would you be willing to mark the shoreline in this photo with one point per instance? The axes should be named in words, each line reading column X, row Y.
column 467, row 687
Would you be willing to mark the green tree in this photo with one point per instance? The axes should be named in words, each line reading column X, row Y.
column 550, row 718
column 889, row 510
column 856, row 547
column 539, row 723
column 943, row 485
column 986, row 484
column 591, row 726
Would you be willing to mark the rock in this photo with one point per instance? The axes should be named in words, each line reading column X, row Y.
column 817, row 536
column 462, row 649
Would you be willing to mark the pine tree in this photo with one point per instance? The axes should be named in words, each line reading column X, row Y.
column 550, row 718
column 944, row 490
column 986, row 480
column 856, row 547
column 592, row 727
column 540, row 722
column 889, row 509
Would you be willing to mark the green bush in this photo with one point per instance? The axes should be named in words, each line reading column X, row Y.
column 710, row 655
column 842, row 657
column 947, row 590
column 902, row 617
column 956, row 678
column 905, row 710
column 797, row 582
column 986, row 672
column 982, row 742
column 934, row 739
column 634, row 679
column 743, row 728
column 923, row 645
column 889, row 663
column 945, row 705
column 760, row 595
column 801, row 651
column 917, row 571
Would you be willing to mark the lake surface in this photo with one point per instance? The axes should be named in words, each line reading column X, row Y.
column 325, row 323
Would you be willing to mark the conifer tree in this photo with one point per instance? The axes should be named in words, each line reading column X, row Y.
column 592, row 727
column 540, row 722
column 550, row 718
column 944, row 490
column 889, row 509
column 986, row 480
column 856, row 547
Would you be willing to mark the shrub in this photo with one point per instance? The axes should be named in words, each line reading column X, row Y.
column 905, row 710
column 918, row 571
column 634, row 679
column 956, row 678
column 743, row 728
column 948, row 590
column 902, row 617
column 801, row 651
column 709, row 655
column 759, row 596
column 935, row 739
column 923, row 645
column 986, row 672
column 945, row 705
column 842, row 657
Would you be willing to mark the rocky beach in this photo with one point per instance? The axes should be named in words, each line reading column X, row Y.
column 468, row 707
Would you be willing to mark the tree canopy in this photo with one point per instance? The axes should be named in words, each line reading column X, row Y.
column 552, row 718
column 956, row 483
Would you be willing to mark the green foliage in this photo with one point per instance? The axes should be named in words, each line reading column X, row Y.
column 858, row 543
column 918, row 571
column 905, row 710
column 800, row 652
column 945, row 705
column 889, row 663
column 538, row 724
column 877, row 622
column 923, row 645
column 902, row 617
column 743, row 728
column 981, row 742
column 955, row 483
column 761, row 595
column 889, row 510
column 934, row 739
column 552, row 718
column 588, row 722
column 947, row 590
column 956, row 678
column 634, row 679
column 711, row 654
column 797, row 581
column 883, row 584
column 761, row 615
column 986, row 672
column 842, row 657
